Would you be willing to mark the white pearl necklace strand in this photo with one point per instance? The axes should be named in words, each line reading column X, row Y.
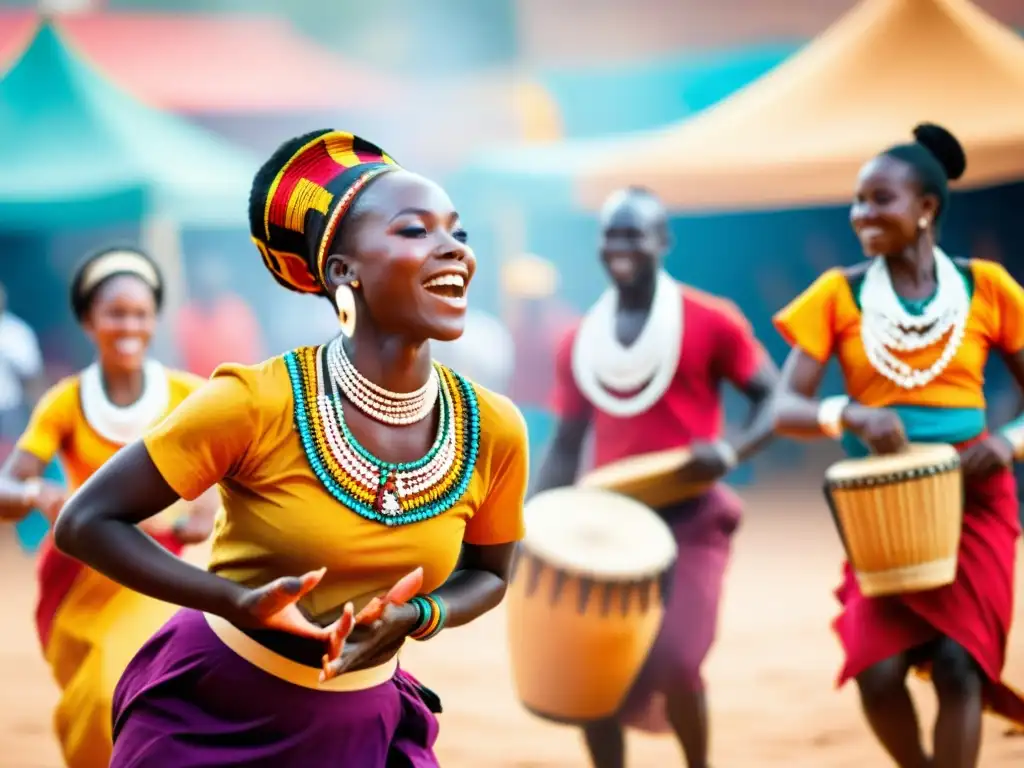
column 601, row 365
column 407, row 482
column 395, row 408
column 886, row 326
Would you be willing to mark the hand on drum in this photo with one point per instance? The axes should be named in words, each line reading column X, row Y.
column 880, row 429
column 705, row 464
column 986, row 456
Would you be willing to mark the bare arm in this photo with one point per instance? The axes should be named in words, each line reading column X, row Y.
column 98, row 526
column 1014, row 430
column 19, row 493
column 562, row 458
column 1015, row 364
column 479, row 582
column 759, row 429
column 794, row 407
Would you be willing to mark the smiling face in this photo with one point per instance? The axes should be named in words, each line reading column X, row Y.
column 120, row 321
column 407, row 248
column 633, row 238
column 888, row 207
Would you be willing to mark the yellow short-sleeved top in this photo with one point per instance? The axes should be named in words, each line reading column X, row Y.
column 58, row 427
column 825, row 321
column 281, row 517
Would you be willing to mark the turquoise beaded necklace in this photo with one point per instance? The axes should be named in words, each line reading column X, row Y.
column 402, row 492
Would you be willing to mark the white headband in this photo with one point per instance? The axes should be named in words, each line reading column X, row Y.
column 116, row 262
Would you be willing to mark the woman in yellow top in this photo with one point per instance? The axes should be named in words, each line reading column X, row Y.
column 89, row 627
column 353, row 463
column 912, row 329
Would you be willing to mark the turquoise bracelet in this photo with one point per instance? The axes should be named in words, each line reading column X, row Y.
column 433, row 613
column 423, row 610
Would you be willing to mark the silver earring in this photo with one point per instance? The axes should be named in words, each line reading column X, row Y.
column 345, row 301
column 923, row 222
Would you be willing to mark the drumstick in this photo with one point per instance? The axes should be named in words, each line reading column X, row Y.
column 404, row 590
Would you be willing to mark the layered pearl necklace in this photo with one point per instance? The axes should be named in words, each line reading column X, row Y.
column 395, row 408
column 887, row 326
column 602, row 366
column 393, row 493
column 388, row 487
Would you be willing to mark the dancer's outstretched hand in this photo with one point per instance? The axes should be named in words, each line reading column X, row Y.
column 275, row 606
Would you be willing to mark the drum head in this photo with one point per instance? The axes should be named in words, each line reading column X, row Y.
column 916, row 456
column 651, row 478
column 599, row 534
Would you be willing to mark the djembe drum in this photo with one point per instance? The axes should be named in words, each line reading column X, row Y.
column 653, row 479
column 899, row 517
column 585, row 603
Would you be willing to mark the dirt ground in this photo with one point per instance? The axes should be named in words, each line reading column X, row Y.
column 770, row 675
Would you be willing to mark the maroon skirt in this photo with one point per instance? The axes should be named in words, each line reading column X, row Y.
column 703, row 530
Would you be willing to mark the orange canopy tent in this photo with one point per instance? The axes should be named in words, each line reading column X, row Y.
column 797, row 136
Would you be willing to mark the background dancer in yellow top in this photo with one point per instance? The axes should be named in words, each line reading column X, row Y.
column 89, row 626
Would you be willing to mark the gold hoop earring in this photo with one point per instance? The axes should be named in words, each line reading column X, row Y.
column 345, row 302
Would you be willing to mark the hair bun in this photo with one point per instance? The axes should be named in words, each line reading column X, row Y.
column 944, row 146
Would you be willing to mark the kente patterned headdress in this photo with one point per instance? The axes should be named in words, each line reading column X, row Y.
column 300, row 197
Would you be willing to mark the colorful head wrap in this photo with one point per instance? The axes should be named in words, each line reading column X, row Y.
column 300, row 197
column 106, row 264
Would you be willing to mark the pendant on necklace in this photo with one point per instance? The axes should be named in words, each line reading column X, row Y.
column 386, row 502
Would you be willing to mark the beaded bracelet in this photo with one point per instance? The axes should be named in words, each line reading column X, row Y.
column 432, row 616
column 1014, row 433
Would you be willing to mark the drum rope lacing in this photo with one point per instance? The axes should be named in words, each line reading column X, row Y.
column 602, row 365
column 898, row 476
column 887, row 326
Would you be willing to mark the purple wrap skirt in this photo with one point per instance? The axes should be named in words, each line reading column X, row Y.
column 188, row 700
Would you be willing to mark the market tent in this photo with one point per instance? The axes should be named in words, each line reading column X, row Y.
column 797, row 136
column 210, row 63
column 75, row 149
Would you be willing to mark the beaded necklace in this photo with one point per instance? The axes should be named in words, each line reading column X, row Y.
column 389, row 493
column 888, row 326
column 379, row 404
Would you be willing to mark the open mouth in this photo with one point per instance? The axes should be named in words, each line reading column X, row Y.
column 620, row 265
column 131, row 345
column 450, row 286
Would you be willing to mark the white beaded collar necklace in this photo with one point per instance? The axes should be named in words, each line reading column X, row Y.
column 124, row 425
column 602, row 366
column 887, row 327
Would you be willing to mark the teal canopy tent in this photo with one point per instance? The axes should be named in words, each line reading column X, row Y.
column 77, row 151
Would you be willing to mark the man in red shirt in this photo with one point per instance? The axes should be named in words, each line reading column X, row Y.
column 644, row 370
